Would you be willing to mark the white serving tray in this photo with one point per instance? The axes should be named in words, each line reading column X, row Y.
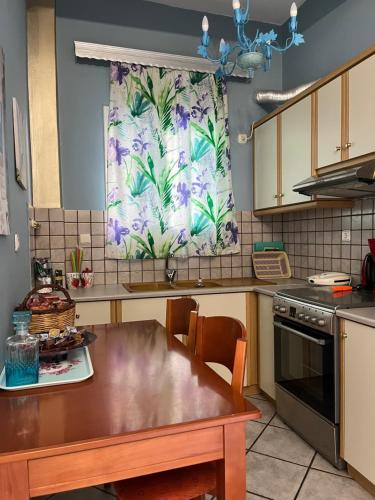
column 76, row 368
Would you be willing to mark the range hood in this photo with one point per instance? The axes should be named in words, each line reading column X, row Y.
column 358, row 182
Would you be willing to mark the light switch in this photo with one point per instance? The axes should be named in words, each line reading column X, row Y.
column 85, row 239
column 17, row 243
column 346, row 235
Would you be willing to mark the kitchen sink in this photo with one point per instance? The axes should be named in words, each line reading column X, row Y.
column 161, row 286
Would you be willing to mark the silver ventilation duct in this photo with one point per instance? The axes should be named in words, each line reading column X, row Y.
column 278, row 96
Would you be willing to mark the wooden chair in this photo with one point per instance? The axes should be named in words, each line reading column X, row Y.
column 221, row 340
column 180, row 321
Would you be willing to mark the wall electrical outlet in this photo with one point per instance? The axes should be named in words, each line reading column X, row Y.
column 346, row 236
column 242, row 139
column 85, row 239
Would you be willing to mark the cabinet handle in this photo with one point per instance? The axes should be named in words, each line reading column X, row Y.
column 281, row 195
column 348, row 145
column 276, row 195
column 338, row 148
column 78, row 316
column 344, row 335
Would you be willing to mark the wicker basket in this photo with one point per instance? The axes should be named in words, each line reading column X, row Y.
column 43, row 321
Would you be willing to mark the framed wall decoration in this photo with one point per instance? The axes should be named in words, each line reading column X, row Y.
column 20, row 146
column 4, row 211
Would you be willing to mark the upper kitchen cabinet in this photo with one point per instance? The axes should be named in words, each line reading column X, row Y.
column 328, row 121
column 265, row 164
column 295, row 150
column 361, row 112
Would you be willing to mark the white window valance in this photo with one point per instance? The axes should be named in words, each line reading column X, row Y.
column 145, row 57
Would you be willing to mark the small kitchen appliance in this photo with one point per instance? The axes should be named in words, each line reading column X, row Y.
column 330, row 279
column 307, row 362
column 368, row 267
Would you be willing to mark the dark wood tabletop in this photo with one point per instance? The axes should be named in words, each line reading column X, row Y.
column 142, row 381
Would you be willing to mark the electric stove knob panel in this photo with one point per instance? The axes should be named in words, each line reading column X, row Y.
column 301, row 316
column 276, row 308
column 282, row 309
column 314, row 320
column 321, row 322
column 307, row 317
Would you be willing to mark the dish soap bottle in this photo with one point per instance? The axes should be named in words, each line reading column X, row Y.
column 21, row 353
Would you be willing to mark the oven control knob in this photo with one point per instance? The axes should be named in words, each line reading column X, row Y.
column 307, row 317
column 282, row 309
column 301, row 316
column 321, row 322
column 277, row 308
column 314, row 320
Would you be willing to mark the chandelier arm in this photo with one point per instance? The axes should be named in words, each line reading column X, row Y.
column 286, row 47
column 242, row 38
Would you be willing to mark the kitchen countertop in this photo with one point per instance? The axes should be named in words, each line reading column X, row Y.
column 234, row 285
column 365, row 315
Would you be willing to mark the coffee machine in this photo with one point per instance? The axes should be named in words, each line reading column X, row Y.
column 368, row 267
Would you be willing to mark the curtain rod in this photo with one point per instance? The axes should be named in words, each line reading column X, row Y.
column 101, row 52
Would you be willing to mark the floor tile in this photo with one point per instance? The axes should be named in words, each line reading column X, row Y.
column 266, row 407
column 252, row 496
column 323, row 486
column 277, row 422
column 273, row 478
column 83, row 494
column 284, row 444
column 253, row 429
column 322, row 464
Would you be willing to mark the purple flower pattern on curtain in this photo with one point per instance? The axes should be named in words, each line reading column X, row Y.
column 169, row 186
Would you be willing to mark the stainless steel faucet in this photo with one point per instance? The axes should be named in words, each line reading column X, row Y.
column 169, row 273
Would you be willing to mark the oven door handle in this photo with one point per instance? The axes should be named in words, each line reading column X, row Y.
column 299, row 334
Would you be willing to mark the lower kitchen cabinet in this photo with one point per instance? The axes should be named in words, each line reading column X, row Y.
column 266, row 360
column 358, row 398
column 93, row 313
column 143, row 309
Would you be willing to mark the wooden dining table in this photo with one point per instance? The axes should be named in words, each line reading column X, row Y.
column 150, row 406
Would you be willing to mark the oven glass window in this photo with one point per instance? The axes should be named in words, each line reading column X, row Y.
column 304, row 366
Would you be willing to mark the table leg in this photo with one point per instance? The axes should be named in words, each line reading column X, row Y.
column 14, row 481
column 231, row 472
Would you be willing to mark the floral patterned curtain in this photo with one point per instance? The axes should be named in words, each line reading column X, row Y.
column 169, row 187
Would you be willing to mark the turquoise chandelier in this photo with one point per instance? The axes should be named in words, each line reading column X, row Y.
column 250, row 54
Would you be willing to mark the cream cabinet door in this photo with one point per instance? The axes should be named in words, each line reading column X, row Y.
column 142, row 309
column 295, row 149
column 265, row 165
column 227, row 304
column 93, row 313
column 329, row 123
column 362, row 108
column 358, row 398
column 266, row 345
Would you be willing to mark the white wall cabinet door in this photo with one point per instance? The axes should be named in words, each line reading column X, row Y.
column 266, row 345
column 358, row 430
column 93, row 313
column 329, row 123
column 362, row 108
column 265, row 165
column 295, row 149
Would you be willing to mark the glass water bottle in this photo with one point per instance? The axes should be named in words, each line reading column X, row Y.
column 21, row 353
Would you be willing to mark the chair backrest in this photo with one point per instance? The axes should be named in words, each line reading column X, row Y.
column 181, row 318
column 221, row 339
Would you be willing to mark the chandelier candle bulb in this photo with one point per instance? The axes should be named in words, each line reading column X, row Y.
column 205, row 24
column 293, row 17
column 236, row 4
column 222, row 45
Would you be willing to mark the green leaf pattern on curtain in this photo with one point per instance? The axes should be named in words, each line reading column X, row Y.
column 169, row 186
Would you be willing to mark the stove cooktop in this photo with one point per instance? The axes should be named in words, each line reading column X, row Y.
column 324, row 297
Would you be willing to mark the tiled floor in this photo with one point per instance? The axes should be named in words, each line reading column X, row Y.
column 280, row 466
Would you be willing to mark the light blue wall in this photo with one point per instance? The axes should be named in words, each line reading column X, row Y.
column 83, row 89
column 331, row 41
column 14, row 268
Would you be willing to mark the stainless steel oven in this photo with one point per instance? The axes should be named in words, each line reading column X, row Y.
column 307, row 373
column 305, row 365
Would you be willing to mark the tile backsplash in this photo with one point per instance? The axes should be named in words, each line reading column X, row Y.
column 312, row 238
column 60, row 230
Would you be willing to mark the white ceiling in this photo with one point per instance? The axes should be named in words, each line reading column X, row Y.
column 268, row 11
